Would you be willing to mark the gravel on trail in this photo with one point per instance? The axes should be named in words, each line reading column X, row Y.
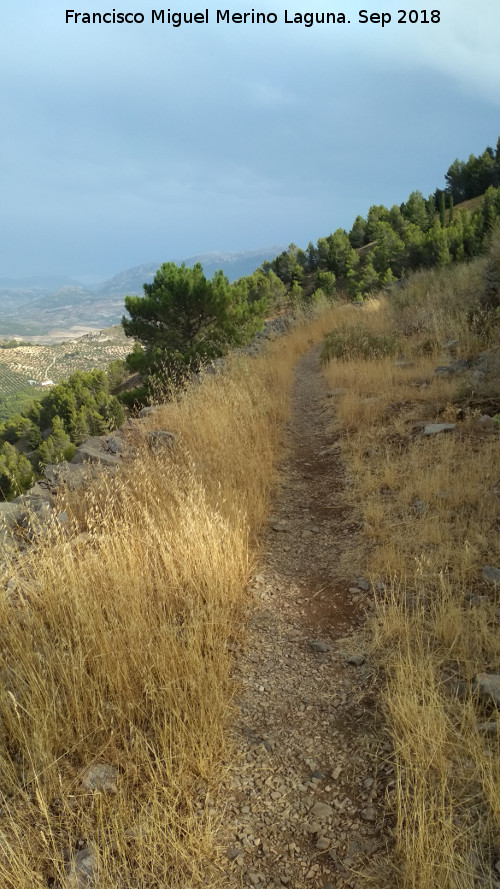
column 304, row 799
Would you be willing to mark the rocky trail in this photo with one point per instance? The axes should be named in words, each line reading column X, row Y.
column 304, row 802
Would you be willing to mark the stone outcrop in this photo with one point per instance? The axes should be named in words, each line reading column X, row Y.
column 30, row 516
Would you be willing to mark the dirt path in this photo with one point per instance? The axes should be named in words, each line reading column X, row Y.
column 304, row 801
column 50, row 366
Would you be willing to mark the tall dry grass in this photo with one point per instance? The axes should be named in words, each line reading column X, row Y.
column 431, row 518
column 115, row 640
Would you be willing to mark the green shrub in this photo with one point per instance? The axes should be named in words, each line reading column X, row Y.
column 16, row 472
column 325, row 281
column 490, row 296
column 135, row 398
column 117, row 374
column 349, row 342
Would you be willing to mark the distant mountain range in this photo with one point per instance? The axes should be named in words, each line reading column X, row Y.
column 37, row 305
column 38, row 282
column 37, row 310
column 234, row 266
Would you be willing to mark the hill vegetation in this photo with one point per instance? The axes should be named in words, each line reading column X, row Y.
column 115, row 643
column 49, row 307
column 79, row 404
column 52, row 427
column 392, row 242
column 24, row 366
column 125, row 621
column 430, row 509
column 183, row 322
column 117, row 627
column 185, row 319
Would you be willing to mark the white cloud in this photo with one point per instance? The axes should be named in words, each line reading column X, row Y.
column 464, row 46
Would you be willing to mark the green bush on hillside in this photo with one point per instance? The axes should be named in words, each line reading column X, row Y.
column 48, row 430
column 348, row 343
column 58, row 446
column 490, row 297
column 390, row 243
column 84, row 405
column 185, row 320
column 16, row 472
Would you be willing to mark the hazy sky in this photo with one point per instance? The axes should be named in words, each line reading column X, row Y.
column 126, row 143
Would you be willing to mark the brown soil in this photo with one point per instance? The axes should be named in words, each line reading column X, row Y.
column 308, row 731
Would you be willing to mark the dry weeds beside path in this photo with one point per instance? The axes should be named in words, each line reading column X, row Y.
column 305, row 798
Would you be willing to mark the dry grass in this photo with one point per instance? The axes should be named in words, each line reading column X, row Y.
column 114, row 643
column 431, row 517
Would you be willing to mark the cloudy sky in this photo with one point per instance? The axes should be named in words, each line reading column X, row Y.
column 122, row 144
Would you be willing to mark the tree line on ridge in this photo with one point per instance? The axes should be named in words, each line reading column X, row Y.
column 185, row 320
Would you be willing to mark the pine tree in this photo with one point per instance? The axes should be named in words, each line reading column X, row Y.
column 442, row 209
column 185, row 319
column 296, row 295
column 58, row 445
column 369, row 278
column 436, row 248
column 326, row 282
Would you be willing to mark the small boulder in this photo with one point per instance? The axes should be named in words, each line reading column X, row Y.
column 160, row 440
column 40, row 489
column 71, row 475
column 114, row 444
column 320, row 646
column 11, row 515
column 491, row 573
column 488, row 728
column 81, row 869
column 356, row 660
column 146, row 411
column 280, row 526
column 94, row 450
column 488, row 687
column 437, row 428
column 486, row 422
column 368, row 814
column 321, row 811
column 100, row 776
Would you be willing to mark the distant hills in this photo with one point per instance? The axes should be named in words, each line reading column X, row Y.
column 34, row 311
column 39, row 305
column 234, row 266
column 38, row 282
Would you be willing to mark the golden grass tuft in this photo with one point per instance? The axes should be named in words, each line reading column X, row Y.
column 114, row 642
column 431, row 516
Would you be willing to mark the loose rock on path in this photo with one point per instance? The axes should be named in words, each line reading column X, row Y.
column 304, row 800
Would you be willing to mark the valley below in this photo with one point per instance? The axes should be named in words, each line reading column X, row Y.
column 28, row 366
